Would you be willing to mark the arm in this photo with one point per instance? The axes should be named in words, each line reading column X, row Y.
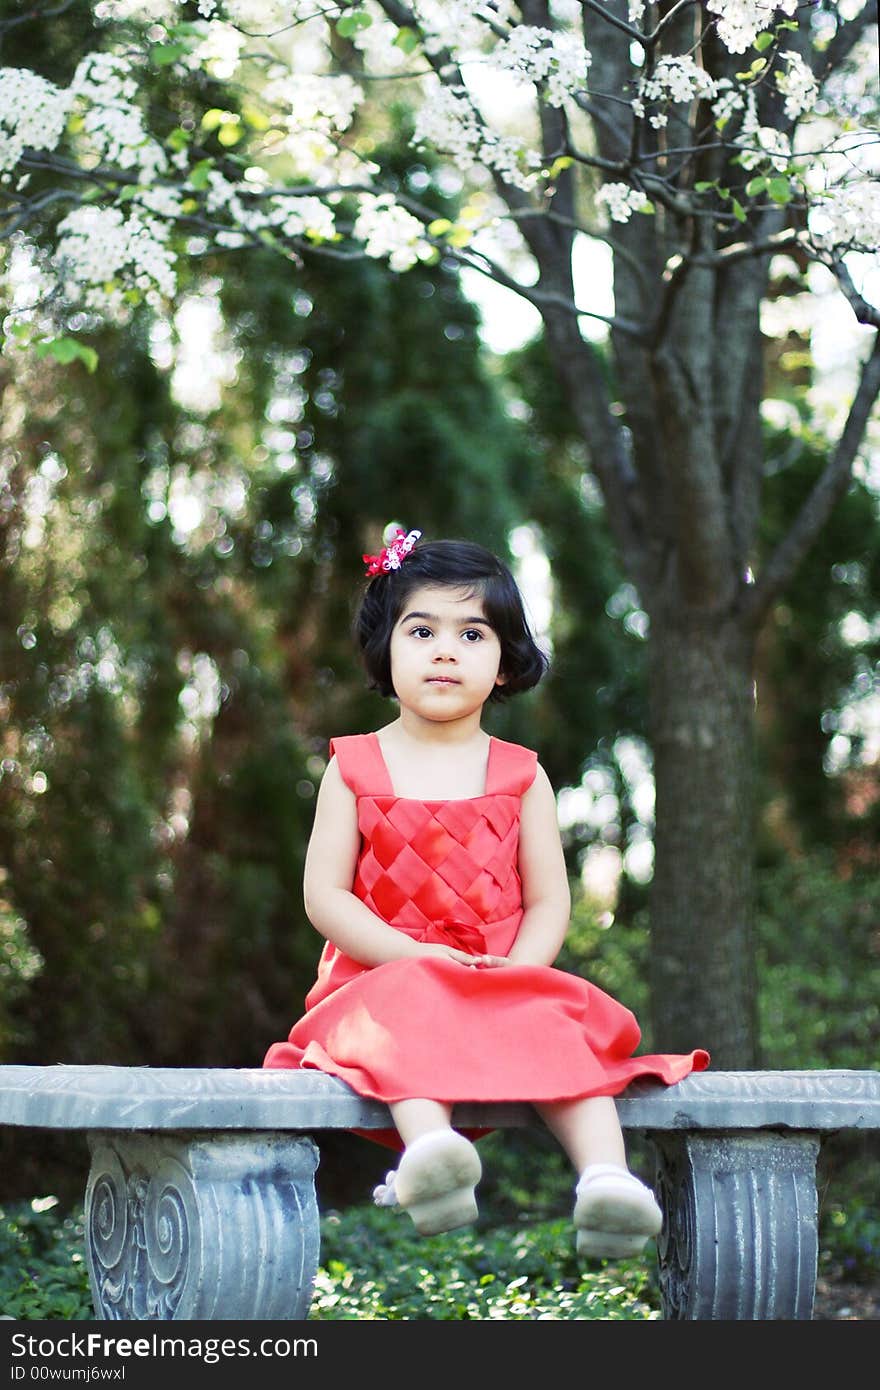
column 546, row 894
column 331, row 906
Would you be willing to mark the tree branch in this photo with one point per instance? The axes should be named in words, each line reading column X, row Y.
column 827, row 491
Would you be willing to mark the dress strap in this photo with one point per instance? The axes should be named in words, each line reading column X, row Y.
column 511, row 769
column 361, row 764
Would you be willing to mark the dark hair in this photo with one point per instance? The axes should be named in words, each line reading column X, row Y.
column 456, row 565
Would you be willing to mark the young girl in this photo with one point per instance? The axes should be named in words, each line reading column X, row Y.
column 435, row 872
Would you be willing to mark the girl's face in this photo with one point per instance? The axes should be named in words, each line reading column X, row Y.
column 445, row 657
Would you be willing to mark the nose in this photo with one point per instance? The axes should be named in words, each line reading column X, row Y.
column 443, row 650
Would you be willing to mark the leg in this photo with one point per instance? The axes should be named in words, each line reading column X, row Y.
column 413, row 1118
column 588, row 1130
column 438, row 1172
column 614, row 1213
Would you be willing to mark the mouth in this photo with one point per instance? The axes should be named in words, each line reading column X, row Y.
column 442, row 680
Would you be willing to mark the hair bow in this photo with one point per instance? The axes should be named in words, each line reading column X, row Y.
column 392, row 555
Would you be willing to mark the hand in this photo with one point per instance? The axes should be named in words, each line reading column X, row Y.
column 482, row 962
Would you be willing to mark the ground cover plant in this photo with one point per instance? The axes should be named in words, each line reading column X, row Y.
column 373, row 1266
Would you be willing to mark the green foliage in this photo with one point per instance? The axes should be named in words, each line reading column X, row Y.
column 850, row 1239
column 819, row 964
column 374, row 1265
column 812, row 662
column 43, row 1271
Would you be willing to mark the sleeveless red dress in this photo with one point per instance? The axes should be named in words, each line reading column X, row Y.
column 447, row 871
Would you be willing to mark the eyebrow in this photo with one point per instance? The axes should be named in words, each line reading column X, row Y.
column 432, row 618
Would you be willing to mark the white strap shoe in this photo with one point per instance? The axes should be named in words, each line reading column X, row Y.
column 614, row 1213
column 435, row 1182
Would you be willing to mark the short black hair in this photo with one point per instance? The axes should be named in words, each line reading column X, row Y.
column 452, row 564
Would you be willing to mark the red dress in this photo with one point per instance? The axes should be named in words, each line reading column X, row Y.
column 447, row 871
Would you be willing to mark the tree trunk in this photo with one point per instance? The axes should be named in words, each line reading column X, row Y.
column 703, row 988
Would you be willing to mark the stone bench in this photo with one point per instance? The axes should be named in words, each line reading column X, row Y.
column 200, row 1202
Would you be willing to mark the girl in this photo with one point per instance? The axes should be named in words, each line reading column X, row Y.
column 435, row 872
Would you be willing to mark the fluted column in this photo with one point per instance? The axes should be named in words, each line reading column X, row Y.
column 740, row 1231
column 201, row 1226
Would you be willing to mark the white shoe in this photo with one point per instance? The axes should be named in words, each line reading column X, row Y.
column 614, row 1213
column 435, row 1181
column 385, row 1193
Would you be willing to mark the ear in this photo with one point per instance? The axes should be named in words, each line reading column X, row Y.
column 501, row 679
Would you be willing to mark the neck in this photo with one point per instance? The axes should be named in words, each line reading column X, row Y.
column 439, row 731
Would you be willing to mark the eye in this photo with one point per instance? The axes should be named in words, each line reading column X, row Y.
column 420, row 632
column 472, row 634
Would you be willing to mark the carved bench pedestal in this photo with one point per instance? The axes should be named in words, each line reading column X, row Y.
column 202, row 1226
column 740, row 1231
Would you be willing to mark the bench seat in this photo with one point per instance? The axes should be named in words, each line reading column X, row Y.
column 200, row 1202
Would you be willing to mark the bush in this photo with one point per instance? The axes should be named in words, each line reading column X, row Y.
column 43, row 1270
column 818, row 935
column 374, row 1266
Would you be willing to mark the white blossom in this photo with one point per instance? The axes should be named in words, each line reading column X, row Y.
column 848, row 217
column 386, row 229
column 309, row 217
column 764, row 144
column 311, row 102
column 677, row 80
column 728, row 99
column 558, row 60
column 848, row 9
column 447, row 121
column 798, row 85
column 636, row 11
column 33, row 114
column 458, row 25
column 98, row 246
column 621, row 200
column 114, row 126
column 219, row 53
column 740, row 21
column 105, row 78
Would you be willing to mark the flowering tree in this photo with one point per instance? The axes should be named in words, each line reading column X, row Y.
column 704, row 143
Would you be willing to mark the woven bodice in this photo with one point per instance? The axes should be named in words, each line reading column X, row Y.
column 436, row 868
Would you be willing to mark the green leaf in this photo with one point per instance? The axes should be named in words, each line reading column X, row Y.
column 703, row 186
column 407, row 39
column 779, row 190
column 66, row 350
column 755, row 186
column 439, row 227
column 186, row 30
column 349, row 24
column 739, row 211
column 647, row 208
column 563, row 162
column 163, row 54
column 179, row 139
column 460, row 236
column 763, row 41
column 200, row 173
column 215, row 117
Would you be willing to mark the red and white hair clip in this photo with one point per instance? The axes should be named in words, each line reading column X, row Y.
column 392, row 555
